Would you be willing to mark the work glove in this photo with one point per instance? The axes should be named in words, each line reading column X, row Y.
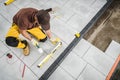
column 54, row 40
column 36, row 44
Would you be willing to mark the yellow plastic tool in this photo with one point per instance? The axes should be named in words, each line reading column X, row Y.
column 55, row 41
column 49, row 55
column 8, row 2
column 77, row 35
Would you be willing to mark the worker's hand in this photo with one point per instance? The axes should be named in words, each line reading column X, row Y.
column 34, row 42
column 54, row 40
column 48, row 33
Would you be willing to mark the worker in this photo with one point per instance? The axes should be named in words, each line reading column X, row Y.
column 31, row 23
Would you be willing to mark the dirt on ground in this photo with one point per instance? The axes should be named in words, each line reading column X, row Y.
column 107, row 28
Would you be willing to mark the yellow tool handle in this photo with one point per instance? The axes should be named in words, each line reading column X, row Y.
column 77, row 35
column 44, row 60
column 49, row 56
column 8, row 2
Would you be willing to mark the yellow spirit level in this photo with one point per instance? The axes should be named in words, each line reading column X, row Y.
column 49, row 55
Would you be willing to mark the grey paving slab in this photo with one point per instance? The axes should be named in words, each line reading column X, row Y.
column 73, row 64
column 4, row 27
column 86, row 2
column 8, row 11
column 75, row 3
column 12, row 69
column 62, row 2
column 57, row 29
column 90, row 73
column 3, row 49
column 39, row 71
column 33, row 5
column 46, row 3
column 39, row 2
column 113, row 50
column 98, row 4
column 83, row 8
column 51, row 3
column 21, row 3
column 99, row 60
column 82, row 47
column 77, row 22
column 29, row 75
column 60, row 74
column 80, row 7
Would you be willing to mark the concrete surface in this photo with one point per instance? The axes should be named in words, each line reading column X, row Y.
column 84, row 62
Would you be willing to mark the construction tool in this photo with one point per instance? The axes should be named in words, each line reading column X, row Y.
column 39, row 49
column 55, row 40
column 77, row 35
column 49, row 55
column 8, row 2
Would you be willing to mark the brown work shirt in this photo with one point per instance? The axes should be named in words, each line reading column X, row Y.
column 25, row 19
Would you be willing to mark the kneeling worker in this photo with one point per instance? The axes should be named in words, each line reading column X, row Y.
column 29, row 21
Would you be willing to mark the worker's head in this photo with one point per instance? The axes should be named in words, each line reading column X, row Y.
column 43, row 17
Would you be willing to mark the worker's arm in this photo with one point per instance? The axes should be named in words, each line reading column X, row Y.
column 25, row 34
column 48, row 33
column 54, row 40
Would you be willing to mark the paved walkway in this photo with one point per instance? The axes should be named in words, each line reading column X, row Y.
column 85, row 61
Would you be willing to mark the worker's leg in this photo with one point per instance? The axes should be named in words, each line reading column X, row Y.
column 38, row 33
column 13, row 40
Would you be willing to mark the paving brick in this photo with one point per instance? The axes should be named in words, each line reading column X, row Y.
column 21, row 4
column 90, row 73
column 12, row 69
column 82, row 47
column 4, row 27
column 73, row 64
column 113, row 50
column 3, row 49
column 99, row 60
column 60, row 74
